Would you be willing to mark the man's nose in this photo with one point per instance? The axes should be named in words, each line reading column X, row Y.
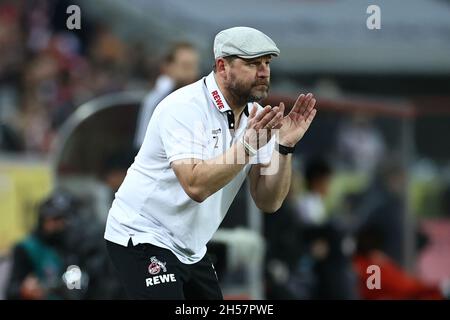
column 263, row 71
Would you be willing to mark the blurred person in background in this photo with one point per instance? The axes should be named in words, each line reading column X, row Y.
column 85, row 247
column 324, row 269
column 382, row 206
column 65, row 235
column 308, row 251
column 283, row 247
column 179, row 68
column 312, row 216
column 360, row 145
column 39, row 261
column 395, row 282
column 115, row 169
column 311, row 204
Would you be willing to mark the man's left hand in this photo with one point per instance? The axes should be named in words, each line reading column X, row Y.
column 297, row 122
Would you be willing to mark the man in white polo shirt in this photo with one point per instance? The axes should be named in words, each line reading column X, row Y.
column 202, row 141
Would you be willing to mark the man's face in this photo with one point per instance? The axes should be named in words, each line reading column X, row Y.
column 248, row 79
column 184, row 69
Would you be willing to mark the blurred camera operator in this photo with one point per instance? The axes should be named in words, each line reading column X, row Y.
column 39, row 259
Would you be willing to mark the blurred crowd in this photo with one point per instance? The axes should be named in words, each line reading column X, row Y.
column 46, row 71
column 315, row 253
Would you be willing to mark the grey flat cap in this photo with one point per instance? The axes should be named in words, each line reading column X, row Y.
column 243, row 42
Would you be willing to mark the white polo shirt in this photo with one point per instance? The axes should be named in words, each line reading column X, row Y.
column 151, row 206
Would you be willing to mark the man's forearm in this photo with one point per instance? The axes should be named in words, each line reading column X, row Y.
column 271, row 190
column 209, row 176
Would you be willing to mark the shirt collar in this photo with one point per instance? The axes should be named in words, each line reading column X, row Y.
column 216, row 95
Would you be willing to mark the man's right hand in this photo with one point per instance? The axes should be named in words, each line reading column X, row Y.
column 261, row 124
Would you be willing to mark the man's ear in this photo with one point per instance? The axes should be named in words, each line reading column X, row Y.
column 220, row 65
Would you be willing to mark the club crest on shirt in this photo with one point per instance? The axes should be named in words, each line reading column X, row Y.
column 156, row 266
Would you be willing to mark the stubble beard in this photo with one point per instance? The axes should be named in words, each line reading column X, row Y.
column 244, row 93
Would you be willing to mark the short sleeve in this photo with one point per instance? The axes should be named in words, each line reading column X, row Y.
column 183, row 133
